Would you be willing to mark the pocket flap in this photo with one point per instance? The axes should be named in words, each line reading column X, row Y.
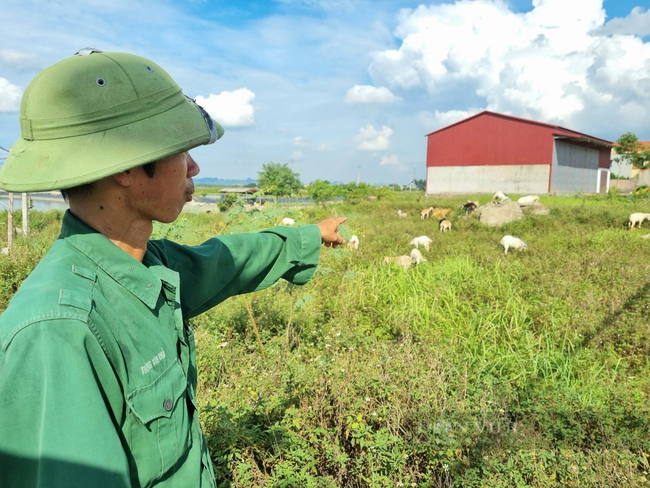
column 158, row 398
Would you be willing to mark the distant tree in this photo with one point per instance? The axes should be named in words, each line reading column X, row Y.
column 278, row 180
column 229, row 200
column 644, row 159
column 631, row 150
column 354, row 193
column 419, row 184
column 322, row 191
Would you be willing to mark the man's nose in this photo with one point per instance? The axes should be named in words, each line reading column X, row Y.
column 192, row 167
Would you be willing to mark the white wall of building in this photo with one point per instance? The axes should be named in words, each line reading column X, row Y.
column 529, row 178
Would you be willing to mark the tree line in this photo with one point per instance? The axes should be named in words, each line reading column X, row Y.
column 280, row 180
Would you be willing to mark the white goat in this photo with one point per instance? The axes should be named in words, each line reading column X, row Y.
column 512, row 242
column 417, row 256
column 445, row 225
column 529, row 200
column 637, row 218
column 500, row 197
column 423, row 241
column 287, row 221
column 353, row 243
column 401, row 215
column 403, row 261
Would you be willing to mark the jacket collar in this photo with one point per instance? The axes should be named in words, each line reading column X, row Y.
column 144, row 281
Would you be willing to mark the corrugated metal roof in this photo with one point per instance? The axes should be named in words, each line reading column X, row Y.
column 558, row 131
column 586, row 140
column 239, row 190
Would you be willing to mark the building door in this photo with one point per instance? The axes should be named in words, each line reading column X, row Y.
column 603, row 181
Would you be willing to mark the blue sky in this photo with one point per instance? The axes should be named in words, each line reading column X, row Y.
column 341, row 88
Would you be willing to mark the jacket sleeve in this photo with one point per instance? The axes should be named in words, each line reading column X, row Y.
column 56, row 430
column 233, row 264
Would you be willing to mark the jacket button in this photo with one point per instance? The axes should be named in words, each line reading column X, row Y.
column 168, row 404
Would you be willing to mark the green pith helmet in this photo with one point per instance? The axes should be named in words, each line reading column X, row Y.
column 96, row 114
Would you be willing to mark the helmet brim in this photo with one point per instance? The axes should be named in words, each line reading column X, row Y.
column 48, row 165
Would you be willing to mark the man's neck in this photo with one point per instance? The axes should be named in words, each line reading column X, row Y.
column 127, row 231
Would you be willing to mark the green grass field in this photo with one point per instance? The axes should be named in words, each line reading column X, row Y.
column 473, row 369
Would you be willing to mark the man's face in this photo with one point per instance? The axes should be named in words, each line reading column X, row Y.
column 162, row 196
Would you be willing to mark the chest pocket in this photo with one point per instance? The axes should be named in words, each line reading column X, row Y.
column 159, row 425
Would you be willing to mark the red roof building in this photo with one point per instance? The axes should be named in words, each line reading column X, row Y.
column 490, row 151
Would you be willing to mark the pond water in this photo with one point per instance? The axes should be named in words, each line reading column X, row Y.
column 50, row 203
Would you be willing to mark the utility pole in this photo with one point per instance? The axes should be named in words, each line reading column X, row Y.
column 10, row 222
column 26, row 214
column 10, row 211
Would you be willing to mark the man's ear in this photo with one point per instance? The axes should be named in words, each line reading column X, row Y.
column 125, row 178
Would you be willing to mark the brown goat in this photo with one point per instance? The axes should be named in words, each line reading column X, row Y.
column 426, row 213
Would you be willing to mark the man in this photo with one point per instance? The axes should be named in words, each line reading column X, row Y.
column 97, row 361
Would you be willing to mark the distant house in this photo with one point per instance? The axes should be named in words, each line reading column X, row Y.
column 239, row 190
column 491, row 151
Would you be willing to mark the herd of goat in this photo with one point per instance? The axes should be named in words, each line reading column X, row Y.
column 440, row 213
column 507, row 242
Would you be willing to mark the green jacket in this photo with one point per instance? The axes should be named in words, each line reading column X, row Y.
column 97, row 361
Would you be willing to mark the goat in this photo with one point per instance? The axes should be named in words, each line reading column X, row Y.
column 403, row 261
column 401, row 215
column 353, row 243
column 417, row 257
column 469, row 207
column 287, row 221
column 637, row 218
column 529, row 200
column 445, row 225
column 423, row 241
column 512, row 242
column 500, row 197
column 426, row 213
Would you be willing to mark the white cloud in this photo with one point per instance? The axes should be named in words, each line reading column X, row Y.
column 549, row 64
column 324, row 147
column 300, row 141
column 230, row 109
column 437, row 120
column 389, row 160
column 369, row 94
column 371, row 139
column 637, row 23
column 344, row 5
column 19, row 60
column 297, row 155
column 9, row 96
